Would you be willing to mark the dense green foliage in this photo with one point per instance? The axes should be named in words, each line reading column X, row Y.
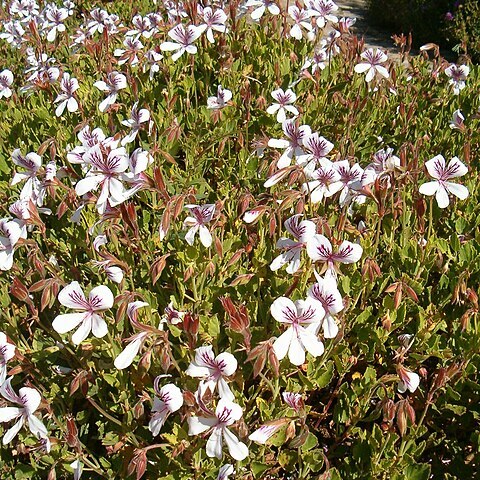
column 419, row 272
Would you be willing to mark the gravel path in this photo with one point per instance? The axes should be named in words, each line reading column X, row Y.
column 373, row 37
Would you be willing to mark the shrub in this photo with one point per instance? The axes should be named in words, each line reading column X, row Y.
column 424, row 18
column 464, row 28
column 182, row 266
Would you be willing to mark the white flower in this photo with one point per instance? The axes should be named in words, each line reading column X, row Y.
column 6, row 80
column 316, row 150
column 214, row 20
column 457, row 74
column 442, row 173
column 66, row 99
column 323, row 11
column 137, row 117
column 29, row 400
column 104, row 171
column 31, row 162
column 262, row 5
column 284, row 99
column 351, row 180
column 267, row 430
column 112, row 85
column 220, row 100
column 201, row 214
column 72, row 296
column 212, row 370
column 298, row 338
column 169, row 400
column 126, row 357
column 55, row 17
column 301, row 18
column 225, row 415
column 317, row 61
column 7, row 352
column 11, row 231
column 408, row 380
column 293, row 400
column 325, row 182
column 457, row 121
column 184, row 38
column 171, row 316
column 302, row 231
column 129, row 53
column 373, row 64
column 320, row 249
column 293, row 144
column 326, row 292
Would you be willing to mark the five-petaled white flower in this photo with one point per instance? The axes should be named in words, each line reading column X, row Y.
column 384, row 163
column 212, row 370
column 323, row 11
column 284, row 99
column 137, row 117
column 72, row 296
column 325, row 182
column 31, row 162
column 29, row 400
column 226, row 414
column 293, row 144
column 298, row 338
column 214, row 20
column 320, row 249
column 66, row 99
column 129, row 53
column 326, row 292
column 184, row 38
column 301, row 18
column 201, row 214
column 112, row 85
column 169, row 400
column 302, row 230
column 104, row 170
column 457, row 74
column 55, row 17
column 373, row 64
column 7, row 352
column 316, row 150
column 6, row 80
column 441, row 186
column 220, row 100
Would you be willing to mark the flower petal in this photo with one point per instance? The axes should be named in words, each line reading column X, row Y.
column 311, row 342
column 296, row 352
column 237, row 449
column 72, row 296
column 68, row 321
column 282, row 343
column 99, row 326
column 214, row 443
column 82, row 331
column 101, row 298
column 459, row 191
column 429, row 188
